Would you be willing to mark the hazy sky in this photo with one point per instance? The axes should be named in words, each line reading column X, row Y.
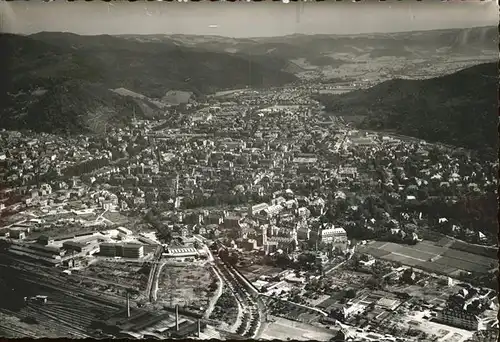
column 244, row 19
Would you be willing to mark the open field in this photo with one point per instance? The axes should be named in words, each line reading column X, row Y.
column 284, row 329
column 432, row 257
column 486, row 251
column 188, row 285
column 130, row 274
column 116, row 217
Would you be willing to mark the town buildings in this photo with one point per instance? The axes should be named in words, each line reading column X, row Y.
column 458, row 318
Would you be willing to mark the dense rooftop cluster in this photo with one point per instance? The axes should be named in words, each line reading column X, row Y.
column 276, row 181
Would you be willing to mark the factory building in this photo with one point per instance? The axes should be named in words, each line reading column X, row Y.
column 107, row 249
column 46, row 254
column 131, row 321
column 80, row 247
column 126, row 250
column 27, row 249
column 134, row 251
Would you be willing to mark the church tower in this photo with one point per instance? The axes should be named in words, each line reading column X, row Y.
column 294, row 234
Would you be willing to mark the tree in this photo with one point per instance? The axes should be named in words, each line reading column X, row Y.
column 422, row 194
column 408, row 276
column 233, row 259
column 351, row 293
column 374, row 283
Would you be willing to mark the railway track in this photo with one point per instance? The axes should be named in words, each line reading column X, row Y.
column 74, row 320
column 45, row 321
column 70, row 309
column 84, row 318
column 81, row 295
column 54, row 275
column 153, row 275
column 18, row 332
column 68, row 323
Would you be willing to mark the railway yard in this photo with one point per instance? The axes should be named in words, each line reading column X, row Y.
column 68, row 313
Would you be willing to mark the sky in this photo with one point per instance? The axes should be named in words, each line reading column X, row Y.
column 244, row 19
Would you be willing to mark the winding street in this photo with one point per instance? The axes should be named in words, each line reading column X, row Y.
column 154, row 288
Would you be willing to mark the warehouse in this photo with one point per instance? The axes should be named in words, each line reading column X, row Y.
column 35, row 253
column 45, row 257
column 53, row 250
column 80, row 247
column 134, row 321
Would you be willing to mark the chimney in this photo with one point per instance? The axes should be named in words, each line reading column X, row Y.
column 199, row 328
column 128, row 305
column 177, row 317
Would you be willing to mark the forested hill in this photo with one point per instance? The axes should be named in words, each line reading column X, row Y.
column 61, row 81
column 458, row 109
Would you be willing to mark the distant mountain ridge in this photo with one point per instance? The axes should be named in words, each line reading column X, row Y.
column 460, row 109
column 318, row 49
column 72, row 76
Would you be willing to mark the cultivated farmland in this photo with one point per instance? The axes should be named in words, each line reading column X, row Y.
column 433, row 257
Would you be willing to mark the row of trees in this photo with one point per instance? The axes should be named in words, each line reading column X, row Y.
column 164, row 233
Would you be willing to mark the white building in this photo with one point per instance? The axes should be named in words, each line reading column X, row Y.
column 181, row 252
column 274, row 210
column 256, row 209
column 347, row 172
column 458, row 318
column 334, row 235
